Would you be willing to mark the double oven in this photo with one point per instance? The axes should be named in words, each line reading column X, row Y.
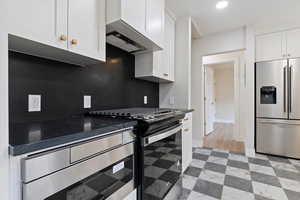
column 101, row 168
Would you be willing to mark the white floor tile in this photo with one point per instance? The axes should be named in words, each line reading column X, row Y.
column 284, row 166
column 295, row 162
column 238, row 158
column 211, row 176
column 260, row 156
column 199, row 196
column 290, row 184
column 269, row 191
column 188, row 182
column 217, row 160
column 198, row 163
column 262, row 169
column 235, row 194
column 237, row 172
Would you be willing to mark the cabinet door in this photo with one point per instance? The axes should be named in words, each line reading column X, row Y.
column 41, row 21
column 187, row 142
column 169, row 49
column 293, row 43
column 155, row 12
column 86, row 27
column 270, row 47
column 134, row 14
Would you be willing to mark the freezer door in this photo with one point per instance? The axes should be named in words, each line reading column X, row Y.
column 278, row 137
column 271, row 89
column 294, row 101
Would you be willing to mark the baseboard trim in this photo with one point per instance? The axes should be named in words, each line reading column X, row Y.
column 250, row 152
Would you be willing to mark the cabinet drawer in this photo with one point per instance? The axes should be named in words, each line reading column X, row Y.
column 41, row 165
column 90, row 148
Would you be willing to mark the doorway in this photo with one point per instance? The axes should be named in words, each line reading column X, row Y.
column 221, row 104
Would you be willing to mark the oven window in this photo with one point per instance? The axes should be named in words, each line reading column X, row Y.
column 162, row 166
column 100, row 185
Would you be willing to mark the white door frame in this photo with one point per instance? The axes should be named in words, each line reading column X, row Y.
column 208, row 128
column 238, row 59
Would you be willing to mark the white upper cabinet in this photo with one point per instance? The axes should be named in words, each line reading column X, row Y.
column 275, row 46
column 42, row 21
column 86, row 37
column 71, row 31
column 293, row 43
column 134, row 14
column 159, row 66
column 168, row 54
column 155, row 18
column 269, row 47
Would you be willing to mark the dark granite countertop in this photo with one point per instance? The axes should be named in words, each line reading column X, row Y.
column 36, row 136
column 186, row 110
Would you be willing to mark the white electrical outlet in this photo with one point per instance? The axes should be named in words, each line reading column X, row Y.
column 34, row 103
column 87, row 102
column 145, row 100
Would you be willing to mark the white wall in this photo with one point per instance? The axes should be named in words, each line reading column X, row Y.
column 4, row 159
column 217, row 43
column 247, row 103
column 224, row 94
column 222, row 42
column 180, row 90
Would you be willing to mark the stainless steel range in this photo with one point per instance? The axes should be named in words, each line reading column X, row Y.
column 158, row 148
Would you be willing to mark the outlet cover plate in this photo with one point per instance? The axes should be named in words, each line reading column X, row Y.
column 145, row 100
column 87, row 102
column 34, row 103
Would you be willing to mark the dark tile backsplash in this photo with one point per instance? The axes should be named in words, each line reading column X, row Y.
column 62, row 86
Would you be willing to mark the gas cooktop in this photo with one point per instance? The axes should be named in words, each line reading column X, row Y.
column 137, row 113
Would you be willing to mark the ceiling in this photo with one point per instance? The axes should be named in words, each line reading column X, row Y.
column 260, row 13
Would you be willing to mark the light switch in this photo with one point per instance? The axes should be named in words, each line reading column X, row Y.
column 34, row 103
column 87, row 102
column 145, row 100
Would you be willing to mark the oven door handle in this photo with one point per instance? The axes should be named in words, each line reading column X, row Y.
column 159, row 136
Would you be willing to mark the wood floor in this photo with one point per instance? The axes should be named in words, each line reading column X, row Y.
column 222, row 138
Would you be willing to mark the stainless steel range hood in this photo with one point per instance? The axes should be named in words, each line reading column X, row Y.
column 125, row 37
column 117, row 39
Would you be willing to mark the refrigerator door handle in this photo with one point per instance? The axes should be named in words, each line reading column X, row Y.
column 284, row 88
column 290, row 88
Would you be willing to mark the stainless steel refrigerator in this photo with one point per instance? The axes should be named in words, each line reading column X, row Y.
column 278, row 107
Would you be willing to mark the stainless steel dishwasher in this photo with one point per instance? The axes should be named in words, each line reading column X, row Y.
column 99, row 169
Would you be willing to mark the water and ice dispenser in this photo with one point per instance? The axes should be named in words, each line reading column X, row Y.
column 268, row 95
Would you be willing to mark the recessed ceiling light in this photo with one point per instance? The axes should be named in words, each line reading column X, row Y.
column 222, row 4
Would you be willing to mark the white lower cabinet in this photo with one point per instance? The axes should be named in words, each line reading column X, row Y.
column 71, row 31
column 187, row 141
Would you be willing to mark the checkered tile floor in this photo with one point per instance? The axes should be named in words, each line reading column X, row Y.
column 218, row 174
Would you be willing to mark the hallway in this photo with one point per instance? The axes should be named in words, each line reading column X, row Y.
column 223, row 138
